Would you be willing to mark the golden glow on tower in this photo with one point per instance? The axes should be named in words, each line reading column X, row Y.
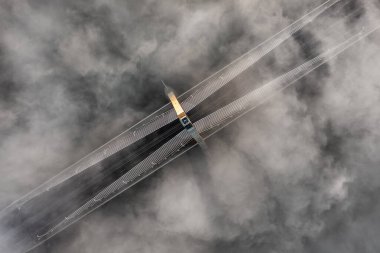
column 177, row 106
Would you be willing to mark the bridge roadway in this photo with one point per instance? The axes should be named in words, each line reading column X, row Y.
column 43, row 211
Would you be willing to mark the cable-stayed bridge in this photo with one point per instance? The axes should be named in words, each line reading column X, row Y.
column 153, row 142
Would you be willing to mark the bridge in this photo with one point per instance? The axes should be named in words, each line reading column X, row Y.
column 151, row 143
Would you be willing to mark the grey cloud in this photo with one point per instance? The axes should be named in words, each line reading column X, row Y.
column 299, row 174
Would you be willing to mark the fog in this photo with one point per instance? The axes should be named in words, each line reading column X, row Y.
column 298, row 174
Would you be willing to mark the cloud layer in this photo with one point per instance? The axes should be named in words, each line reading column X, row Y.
column 299, row 174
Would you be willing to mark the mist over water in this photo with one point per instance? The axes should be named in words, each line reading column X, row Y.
column 298, row 174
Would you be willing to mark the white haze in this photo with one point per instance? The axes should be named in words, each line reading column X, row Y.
column 298, row 174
